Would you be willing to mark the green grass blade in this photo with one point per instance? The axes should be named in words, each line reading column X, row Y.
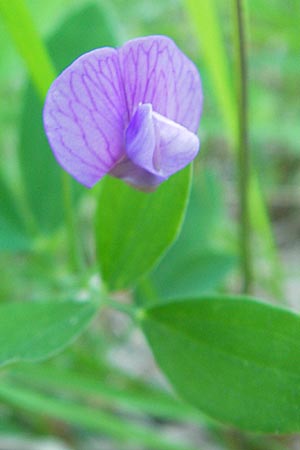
column 90, row 419
column 149, row 401
column 28, row 43
column 204, row 20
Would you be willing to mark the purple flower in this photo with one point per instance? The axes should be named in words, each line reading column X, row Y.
column 130, row 112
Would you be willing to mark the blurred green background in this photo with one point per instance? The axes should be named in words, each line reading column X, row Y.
column 107, row 360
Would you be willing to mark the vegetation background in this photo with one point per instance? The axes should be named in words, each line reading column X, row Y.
column 108, row 376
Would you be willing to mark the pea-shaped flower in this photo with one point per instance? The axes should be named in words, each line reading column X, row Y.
column 130, row 112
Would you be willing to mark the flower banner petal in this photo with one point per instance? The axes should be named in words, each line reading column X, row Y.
column 155, row 71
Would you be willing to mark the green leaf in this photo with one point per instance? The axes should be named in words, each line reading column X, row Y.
column 32, row 331
column 13, row 234
column 190, row 275
column 195, row 263
column 204, row 213
column 41, row 173
column 134, row 229
column 236, row 359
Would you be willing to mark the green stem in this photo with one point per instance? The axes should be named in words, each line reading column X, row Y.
column 148, row 291
column 74, row 253
column 205, row 21
column 30, row 46
column 244, row 164
column 131, row 311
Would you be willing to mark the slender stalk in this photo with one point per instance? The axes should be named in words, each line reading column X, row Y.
column 74, row 254
column 244, row 163
column 205, row 21
column 129, row 310
column 31, row 47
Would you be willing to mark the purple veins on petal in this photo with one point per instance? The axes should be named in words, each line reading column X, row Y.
column 94, row 143
column 130, row 112
column 176, row 93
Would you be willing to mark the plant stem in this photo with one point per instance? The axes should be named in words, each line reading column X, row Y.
column 129, row 310
column 205, row 21
column 244, row 164
column 39, row 65
column 74, row 254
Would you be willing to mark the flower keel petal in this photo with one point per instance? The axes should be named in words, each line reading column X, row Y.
column 141, row 138
column 159, row 145
column 176, row 146
column 136, row 176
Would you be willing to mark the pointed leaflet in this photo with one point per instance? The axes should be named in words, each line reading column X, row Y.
column 134, row 229
column 31, row 331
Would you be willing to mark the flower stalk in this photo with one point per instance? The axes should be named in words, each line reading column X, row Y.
column 244, row 157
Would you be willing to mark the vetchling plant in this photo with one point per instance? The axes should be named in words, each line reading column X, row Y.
column 127, row 117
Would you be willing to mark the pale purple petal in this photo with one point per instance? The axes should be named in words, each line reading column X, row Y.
column 85, row 115
column 131, row 113
column 159, row 145
column 141, row 138
column 155, row 71
column 136, row 176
